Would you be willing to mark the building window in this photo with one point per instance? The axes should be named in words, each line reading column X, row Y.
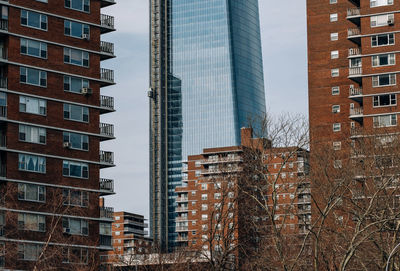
column 29, row 252
column 383, row 60
column 333, row 1
column 105, row 229
column 32, row 134
column 204, row 217
column 33, row 77
column 385, row 121
column 336, row 127
column 334, row 36
column 75, row 226
column 75, row 198
column 75, row 84
column 32, row 163
column 335, row 90
column 335, row 108
column 75, row 255
column 217, row 195
column 76, row 57
column 382, row 40
column 337, row 164
column 81, row 5
column 382, row 20
column 204, row 207
column 33, row 48
column 32, row 105
column 32, row 192
column 355, row 62
column 76, row 141
column 337, row 145
column 334, row 54
column 384, row 80
column 76, row 30
column 231, row 195
column 378, row 3
column 43, row 1
column 203, row 186
column 32, row 222
column 335, row 72
column 33, row 19
column 204, row 197
column 385, row 100
column 75, row 169
column 76, row 113
column 333, row 17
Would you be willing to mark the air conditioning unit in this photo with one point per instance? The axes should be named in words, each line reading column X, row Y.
column 86, row 91
column 67, row 230
column 85, row 36
column 390, row 22
column 67, row 145
column 150, row 94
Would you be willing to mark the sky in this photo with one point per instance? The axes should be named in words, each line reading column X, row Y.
column 285, row 73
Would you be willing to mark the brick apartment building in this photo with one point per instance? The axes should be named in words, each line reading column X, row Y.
column 50, row 157
column 210, row 199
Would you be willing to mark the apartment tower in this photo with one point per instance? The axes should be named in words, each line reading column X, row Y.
column 51, row 82
column 206, row 82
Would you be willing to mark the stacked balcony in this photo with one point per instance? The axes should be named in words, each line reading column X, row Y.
column 106, row 159
column 357, row 114
column 106, row 104
column 106, row 187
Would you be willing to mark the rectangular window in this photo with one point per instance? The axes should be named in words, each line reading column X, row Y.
column 75, row 255
column 204, row 197
column 378, row 3
column 382, row 40
column 29, row 252
column 334, row 36
column 334, row 54
column 76, row 30
column 335, row 90
column 75, row 198
column 32, row 222
column 355, row 62
column 385, row 121
column 333, row 1
column 81, row 5
column 33, row 77
column 385, row 100
column 75, row 84
column 75, row 169
column 32, row 192
column 384, row 80
column 382, row 20
column 336, row 127
column 335, row 108
column 75, row 226
column 32, row 134
column 32, row 105
column 337, row 145
column 333, row 17
column 76, row 113
column 33, row 19
column 335, row 72
column 383, row 60
column 76, row 57
column 77, row 141
column 32, row 163
column 33, row 48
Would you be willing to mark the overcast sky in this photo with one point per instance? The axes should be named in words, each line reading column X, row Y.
column 283, row 33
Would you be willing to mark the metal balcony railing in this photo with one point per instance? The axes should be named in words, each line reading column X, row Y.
column 355, row 91
column 106, row 129
column 107, row 185
column 356, row 111
column 107, row 75
column 107, row 21
column 182, row 218
column 355, row 71
column 182, row 238
column 3, row 24
column 179, row 228
column 181, row 209
column 353, row 32
column 107, row 102
column 181, row 199
column 107, row 212
column 353, row 12
column 107, row 157
column 354, row 51
column 107, row 47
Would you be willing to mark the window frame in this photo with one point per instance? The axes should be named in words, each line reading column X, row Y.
column 38, row 132
column 68, row 134
column 379, row 98
column 41, row 44
column 27, row 12
column 81, row 164
column 83, row 6
column 376, row 124
column 83, row 30
column 85, row 57
column 41, row 160
column 388, row 38
column 376, row 79
column 39, row 107
column 375, row 60
column 23, row 186
column 24, row 73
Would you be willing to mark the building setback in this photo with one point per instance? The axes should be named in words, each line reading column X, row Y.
column 206, row 82
column 50, row 157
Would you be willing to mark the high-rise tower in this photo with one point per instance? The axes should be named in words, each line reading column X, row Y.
column 206, row 82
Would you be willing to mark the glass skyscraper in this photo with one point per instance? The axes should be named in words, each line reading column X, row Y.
column 206, row 82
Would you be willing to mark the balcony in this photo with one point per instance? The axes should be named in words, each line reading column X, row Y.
column 304, row 210
column 355, row 51
column 181, row 229
column 107, row 130
column 355, row 74
column 356, row 94
column 106, row 104
column 106, row 3
column 107, row 213
column 107, row 75
column 304, row 200
column 107, row 158
column 106, row 186
column 182, row 218
column 181, row 209
column 107, row 48
column 354, row 34
column 107, row 23
column 355, row 2
column 356, row 114
column 222, row 160
column 182, row 199
column 182, row 239
column 354, row 15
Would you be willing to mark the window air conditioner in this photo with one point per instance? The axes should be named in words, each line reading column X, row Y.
column 86, row 91
column 67, row 230
column 67, row 145
column 390, row 22
column 85, row 36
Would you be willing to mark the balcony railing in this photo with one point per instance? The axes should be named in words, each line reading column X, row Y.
column 179, row 228
column 107, row 21
column 107, row 212
column 106, row 129
column 3, row 24
column 356, row 111
column 353, row 32
column 355, row 71
column 107, row 102
column 353, row 12
column 354, row 51
column 107, row 75
column 105, row 241
column 107, row 185
column 182, row 209
column 107, row 47
column 182, row 238
column 355, row 91
column 182, row 218
column 107, row 157
column 181, row 199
